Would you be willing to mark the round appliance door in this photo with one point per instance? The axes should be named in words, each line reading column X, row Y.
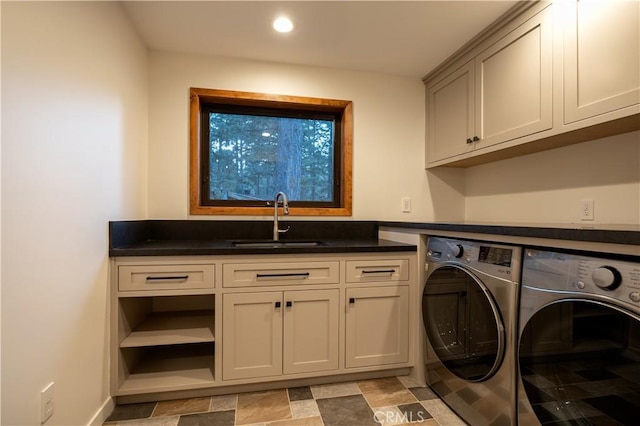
column 579, row 363
column 463, row 323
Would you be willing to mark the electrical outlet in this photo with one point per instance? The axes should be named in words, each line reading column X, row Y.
column 46, row 403
column 587, row 210
column 406, row 205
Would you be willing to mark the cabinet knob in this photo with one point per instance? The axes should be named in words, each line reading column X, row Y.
column 476, row 139
column 278, row 304
column 289, row 304
column 352, row 300
column 469, row 140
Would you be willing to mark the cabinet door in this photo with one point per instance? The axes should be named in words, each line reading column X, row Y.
column 377, row 326
column 310, row 331
column 450, row 117
column 513, row 83
column 251, row 335
column 601, row 57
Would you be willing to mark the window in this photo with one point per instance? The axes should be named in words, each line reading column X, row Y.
column 246, row 147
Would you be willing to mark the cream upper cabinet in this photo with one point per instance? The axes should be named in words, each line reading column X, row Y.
column 501, row 94
column 513, row 83
column 450, row 114
column 545, row 75
column 601, row 57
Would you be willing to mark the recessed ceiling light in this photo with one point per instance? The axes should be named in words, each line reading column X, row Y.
column 283, row 24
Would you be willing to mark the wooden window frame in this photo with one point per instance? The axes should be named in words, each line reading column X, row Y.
column 345, row 108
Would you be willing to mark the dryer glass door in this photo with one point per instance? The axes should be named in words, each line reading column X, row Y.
column 580, row 364
column 463, row 325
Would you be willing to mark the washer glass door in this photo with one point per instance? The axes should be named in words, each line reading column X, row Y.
column 463, row 324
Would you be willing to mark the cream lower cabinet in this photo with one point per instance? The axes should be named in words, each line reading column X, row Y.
column 186, row 324
column 377, row 326
column 273, row 333
column 163, row 327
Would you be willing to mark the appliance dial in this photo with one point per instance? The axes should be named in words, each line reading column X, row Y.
column 634, row 296
column 458, row 251
column 606, row 277
column 580, row 285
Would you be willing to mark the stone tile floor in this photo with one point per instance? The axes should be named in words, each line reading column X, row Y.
column 388, row 401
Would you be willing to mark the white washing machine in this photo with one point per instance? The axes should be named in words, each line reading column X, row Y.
column 469, row 310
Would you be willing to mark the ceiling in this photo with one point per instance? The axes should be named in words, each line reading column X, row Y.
column 407, row 38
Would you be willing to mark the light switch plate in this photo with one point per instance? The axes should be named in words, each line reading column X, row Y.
column 406, row 205
column 46, row 402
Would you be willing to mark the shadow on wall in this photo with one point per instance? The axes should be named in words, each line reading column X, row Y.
column 447, row 189
column 604, row 162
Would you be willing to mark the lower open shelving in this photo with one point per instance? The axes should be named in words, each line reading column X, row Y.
column 159, row 368
column 166, row 342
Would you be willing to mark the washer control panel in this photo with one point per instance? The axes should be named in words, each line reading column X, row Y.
column 496, row 259
column 606, row 278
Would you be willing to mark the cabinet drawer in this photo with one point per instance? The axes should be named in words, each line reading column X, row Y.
column 165, row 277
column 360, row 271
column 259, row 274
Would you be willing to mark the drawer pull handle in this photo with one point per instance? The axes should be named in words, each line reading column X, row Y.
column 169, row 278
column 293, row 274
column 380, row 271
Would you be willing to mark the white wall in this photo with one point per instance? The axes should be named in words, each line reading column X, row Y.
column 388, row 131
column 74, row 135
column 548, row 187
column 388, row 141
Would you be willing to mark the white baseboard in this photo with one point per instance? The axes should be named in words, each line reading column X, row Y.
column 101, row 415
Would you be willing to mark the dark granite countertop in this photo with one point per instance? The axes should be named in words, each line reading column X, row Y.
column 596, row 233
column 196, row 247
column 192, row 237
column 209, row 237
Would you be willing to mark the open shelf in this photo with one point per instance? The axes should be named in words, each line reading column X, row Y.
column 167, row 328
column 172, row 367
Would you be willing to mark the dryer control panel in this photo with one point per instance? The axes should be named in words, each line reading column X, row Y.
column 496, row 259
column 583, row 275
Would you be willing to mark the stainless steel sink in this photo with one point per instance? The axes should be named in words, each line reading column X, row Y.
column 276, row 244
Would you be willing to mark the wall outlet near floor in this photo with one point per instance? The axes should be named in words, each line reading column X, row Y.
column 586, row 209
column 46, row 402
column 406, row 205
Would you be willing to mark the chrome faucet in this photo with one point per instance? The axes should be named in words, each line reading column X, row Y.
column 285, row 210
